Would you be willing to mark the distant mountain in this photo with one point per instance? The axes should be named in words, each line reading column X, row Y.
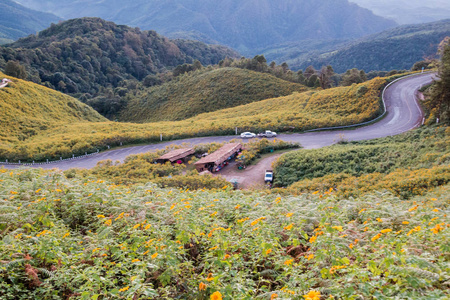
column 246, row 25
column 205, row 91
column 408, row 11
column 85, row 56
column 397, row 48
column 17, row 21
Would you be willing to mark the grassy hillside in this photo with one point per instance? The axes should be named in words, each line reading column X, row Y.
column 297, row 112
column 29, row 109
column 17, row 21
column 144, row 242
column 205, row 91
column 406, row 164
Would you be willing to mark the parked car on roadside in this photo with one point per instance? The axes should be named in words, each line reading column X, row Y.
column 267, row 134
column 268, row 176
column 248, row 135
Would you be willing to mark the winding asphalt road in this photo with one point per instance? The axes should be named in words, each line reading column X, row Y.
column 403, row 114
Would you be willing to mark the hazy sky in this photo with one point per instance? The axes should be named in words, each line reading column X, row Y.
column 409, row 11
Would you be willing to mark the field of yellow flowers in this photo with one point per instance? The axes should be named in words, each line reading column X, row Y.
column 88, row 239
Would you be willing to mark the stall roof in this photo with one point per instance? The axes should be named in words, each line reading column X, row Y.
column 177, row 154
column 220, row 155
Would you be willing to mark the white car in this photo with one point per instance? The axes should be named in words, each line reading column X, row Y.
column 248, row 135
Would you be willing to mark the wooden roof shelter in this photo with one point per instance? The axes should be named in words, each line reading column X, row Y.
column 175, row 155
column 219, row 156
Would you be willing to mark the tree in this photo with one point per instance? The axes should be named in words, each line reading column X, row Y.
column 15, row 69
column 309, row 71
column 353, row 76
column 440, row 95
column 325, row 75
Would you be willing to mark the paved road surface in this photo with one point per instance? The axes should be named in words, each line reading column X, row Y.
column 403, row 114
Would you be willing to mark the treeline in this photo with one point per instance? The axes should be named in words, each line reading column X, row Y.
column 90, row 57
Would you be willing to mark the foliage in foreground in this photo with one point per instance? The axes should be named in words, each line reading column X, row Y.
column 297, row 112
column 87, row 239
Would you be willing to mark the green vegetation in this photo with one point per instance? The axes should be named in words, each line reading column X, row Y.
column 438, row 100
column 17, row 21
column 89, row 57
column 29, row 109
column 407, row 164
column 85, row 239
column 204, row 91
column 297, row 112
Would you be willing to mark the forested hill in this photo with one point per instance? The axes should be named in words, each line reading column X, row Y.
column 246, row 25
column 17, row 21
column 397, row 48
column 82, row 56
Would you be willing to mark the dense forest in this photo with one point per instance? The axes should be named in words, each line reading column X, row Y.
column 81, row 57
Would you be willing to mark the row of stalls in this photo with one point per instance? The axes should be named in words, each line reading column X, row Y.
column 178, row 156
column 215, row 161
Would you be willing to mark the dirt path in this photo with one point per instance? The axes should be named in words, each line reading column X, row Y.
column 252, row 176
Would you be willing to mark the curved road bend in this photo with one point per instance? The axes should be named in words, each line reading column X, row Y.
column 403, row 114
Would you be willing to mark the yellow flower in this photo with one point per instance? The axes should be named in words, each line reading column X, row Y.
column 437, row 228
column 124, row 289
column 436, row 209
column 379, row 220
column 213, row 248
column 413, row 208
column 376, row 237
column 312, row 295
column 210, row 277
column 154, row 255
column 135, row 260
column 136, row 226
column 273, row 296
column 312, row 239
column 237, row 206
column 351, row 246
column 309, row 257
column 405, row 222
column 66, row 235
column 213, row 214
column 288, row 216
column 202, row 286
column 288, row 262
column 289, row 227
column 268, row 251
column 386, row 230
column 96, row 249
column 216, row 296
column 148, row 226
column 416, row 229
column 227, row 256
column 108, row 222
column 338, row 228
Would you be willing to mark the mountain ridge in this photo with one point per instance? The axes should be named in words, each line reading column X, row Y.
column 244, row 25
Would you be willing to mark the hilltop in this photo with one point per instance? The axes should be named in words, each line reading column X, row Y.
column 17, row 21
column 398, row 48
column 204, row 91
column 245, row 25
column 83, row 57
column 29, row 109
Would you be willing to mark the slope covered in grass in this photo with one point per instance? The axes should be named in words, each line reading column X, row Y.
column 27, row 109
column 144, row 242
column 205, row 91
column 297, row 112
column 406, row 164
